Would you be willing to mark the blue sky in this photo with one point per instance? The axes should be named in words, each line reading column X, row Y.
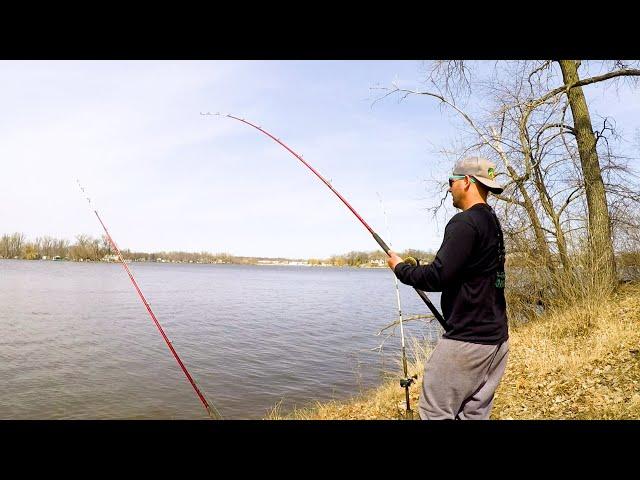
column 163, row 177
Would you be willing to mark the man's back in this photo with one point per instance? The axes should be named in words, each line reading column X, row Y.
column 475, row 307
column 464, row 270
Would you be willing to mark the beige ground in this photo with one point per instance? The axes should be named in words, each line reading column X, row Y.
column 578, row 363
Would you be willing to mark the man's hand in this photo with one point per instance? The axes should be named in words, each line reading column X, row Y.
column 393, row 260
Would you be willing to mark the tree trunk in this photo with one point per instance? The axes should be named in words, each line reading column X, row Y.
column 600, row 240
column 562, row 245
column 547, row 204
column 541, row 242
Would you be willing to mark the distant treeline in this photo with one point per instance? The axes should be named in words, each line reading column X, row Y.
column 374, row 257
column 88, row 248
column 17, row 246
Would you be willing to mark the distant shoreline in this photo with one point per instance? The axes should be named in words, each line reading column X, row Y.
column 292, row 263
column 89, row 249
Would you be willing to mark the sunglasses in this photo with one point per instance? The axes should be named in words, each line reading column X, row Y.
column 453, row 178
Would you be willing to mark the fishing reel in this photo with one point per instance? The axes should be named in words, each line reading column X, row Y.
column 406, row 382
column 414, row 262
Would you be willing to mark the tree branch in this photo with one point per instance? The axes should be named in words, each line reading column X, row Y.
column 584, row 81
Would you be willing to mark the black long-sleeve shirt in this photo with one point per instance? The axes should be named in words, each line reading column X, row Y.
column 464, row 270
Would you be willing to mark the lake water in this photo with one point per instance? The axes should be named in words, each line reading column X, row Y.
column 77, row 342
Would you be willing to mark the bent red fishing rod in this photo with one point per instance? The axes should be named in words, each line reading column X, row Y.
column 211, row 410
column 376, row 237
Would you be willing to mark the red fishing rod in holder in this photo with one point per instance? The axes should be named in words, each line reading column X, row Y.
column 376, row 237
column 211, row 410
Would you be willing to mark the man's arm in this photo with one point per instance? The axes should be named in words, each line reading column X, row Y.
column 456, row 248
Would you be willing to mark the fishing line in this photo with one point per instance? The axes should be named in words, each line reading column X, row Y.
column 211, row 410
column 406, row 381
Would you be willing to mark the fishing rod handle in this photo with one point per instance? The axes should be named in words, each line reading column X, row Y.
column 433, row 309
column 383, row 245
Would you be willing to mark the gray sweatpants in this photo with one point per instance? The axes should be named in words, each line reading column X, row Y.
column 460, row 379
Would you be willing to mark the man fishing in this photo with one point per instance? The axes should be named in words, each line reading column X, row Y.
column 478, row 325
column 467, row 364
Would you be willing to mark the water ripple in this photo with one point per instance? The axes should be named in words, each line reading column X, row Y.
column 78, row 344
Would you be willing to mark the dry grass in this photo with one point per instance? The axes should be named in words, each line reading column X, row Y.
column 581, row 360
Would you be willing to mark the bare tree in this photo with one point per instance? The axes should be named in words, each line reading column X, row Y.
column 562, row 177
column 61, row 248
column 13, row 245
column 82, row 249
column 4, row 246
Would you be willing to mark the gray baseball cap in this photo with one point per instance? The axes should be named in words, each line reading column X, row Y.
column 481, row 169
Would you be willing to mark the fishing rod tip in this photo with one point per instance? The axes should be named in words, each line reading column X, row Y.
column 218, row 114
